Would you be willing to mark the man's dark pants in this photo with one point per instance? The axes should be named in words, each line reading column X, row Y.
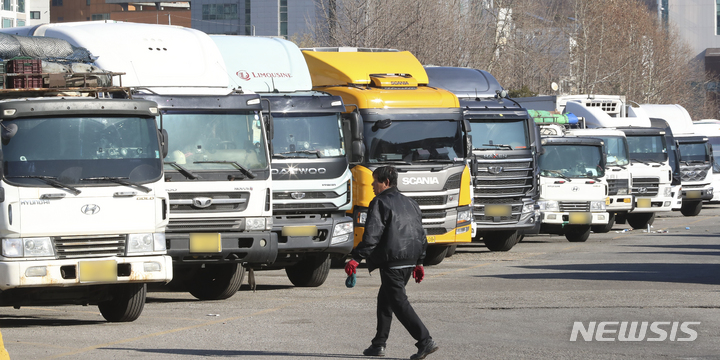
column 393, row 300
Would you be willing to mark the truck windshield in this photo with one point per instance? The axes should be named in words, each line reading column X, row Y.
column 212, row 142
column 571, row 161
column 694, row 152
column 647, row 147
column 307, row 136
column 69, row 149
column 414, row 141
column 616, row 147
column 492, row 135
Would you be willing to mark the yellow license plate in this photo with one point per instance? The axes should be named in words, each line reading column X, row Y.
column 607, row 201
column 644, row 203
column 310, row 230
column 497, row 210
column 693, row 194
column 205, row 243
column 431, row 238
column 97, row 270
column 579, row 218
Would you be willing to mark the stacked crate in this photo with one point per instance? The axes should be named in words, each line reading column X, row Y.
column 24, row 74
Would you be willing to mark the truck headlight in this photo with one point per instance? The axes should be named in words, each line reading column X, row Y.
column 28, row 247
column 549, row 205
column 597, row 206
column 622, row 191
column 667, row 192
column 528, row 208
column 362, row 217
column 341, row 233
column 464, row 216
column 255, row 224
column 140, row 243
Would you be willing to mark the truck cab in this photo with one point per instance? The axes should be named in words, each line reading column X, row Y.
column 311, row 179
column 573, row 191
column 396, row 119
column 84, row 205
column 217, row 171
column 711, row 129
column 503, row 161
column 617, row 172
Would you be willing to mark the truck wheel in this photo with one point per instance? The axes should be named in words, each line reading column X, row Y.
column 309, row 272
column 435, row 254
column 577, row 233
column 501, row 240
column 126, row 304
column 691, row 208
column 640, row 221
column 601, row 229
column 451, row 250
column 621, row 218
column 215, row 281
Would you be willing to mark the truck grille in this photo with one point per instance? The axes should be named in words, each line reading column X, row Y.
column 71, row 247
column 502, row 178
column 574, row 206
column 430, row 200
column 694, row 172
column 205, row 225
column 615, row 184
column 304, row 206
column 221, row 202
column 646, row 186
column 434, row 214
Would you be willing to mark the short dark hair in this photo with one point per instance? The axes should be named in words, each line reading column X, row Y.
column 385, row 173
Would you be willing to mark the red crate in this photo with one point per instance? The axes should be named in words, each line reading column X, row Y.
column 24, row 66
column 24, row 82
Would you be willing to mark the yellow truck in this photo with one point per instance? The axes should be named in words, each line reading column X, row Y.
column 394, row 118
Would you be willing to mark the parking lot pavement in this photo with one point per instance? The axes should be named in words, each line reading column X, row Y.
column 477, row 304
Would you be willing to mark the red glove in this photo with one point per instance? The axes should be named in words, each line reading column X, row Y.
column 418, row 273
column 351, row 267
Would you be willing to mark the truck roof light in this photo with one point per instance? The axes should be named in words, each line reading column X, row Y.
column 9, row 112
column 253, row 101
column 153, row 110
column 336, row 103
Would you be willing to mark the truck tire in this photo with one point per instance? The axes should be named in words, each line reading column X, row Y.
column 640, row 221
column 691, row 208
column 126, row 304
column 435, row 254
column 451, row 250
column 601, row 229
column 501, row 240
column 215, row 281
column 577, row 233
column 309, row 272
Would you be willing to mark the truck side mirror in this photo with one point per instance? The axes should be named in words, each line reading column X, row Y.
column 356, row 125
column 466, row 126
column 163, row 136
column 538, row 145
column 8, row 131
column 269, row 126
column 358, row 151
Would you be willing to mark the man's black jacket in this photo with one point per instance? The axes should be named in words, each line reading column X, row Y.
column 394, row 235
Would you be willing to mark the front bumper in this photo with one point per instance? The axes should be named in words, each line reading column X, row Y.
column 322, row 242
column 644, row 204
column 700, row 193
column 619, row 203
column 564, row 218
column 66, row 273
column 251, row 248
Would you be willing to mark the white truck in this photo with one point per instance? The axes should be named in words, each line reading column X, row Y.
column 84, row 204
column 217, row 172
column 696, row 163
column 572, row 188
column 617, row 172
column 311, row 177
column 711, row 129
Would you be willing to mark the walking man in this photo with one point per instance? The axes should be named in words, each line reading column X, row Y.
column 394, row 242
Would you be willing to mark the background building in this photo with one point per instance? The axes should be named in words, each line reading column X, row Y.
column 698, row 22
column 254, row 17
column 175, row 13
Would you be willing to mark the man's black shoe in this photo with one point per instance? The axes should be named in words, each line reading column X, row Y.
column 374, row 351
column 426, row 350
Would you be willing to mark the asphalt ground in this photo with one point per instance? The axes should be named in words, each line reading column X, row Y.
column 520, row 304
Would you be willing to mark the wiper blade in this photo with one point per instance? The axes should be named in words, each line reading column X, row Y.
column 315, row 152
column 244, row 170
column 394, row 162
column 640, row 161
column 559, row 173
column 279, row 156
column 52, row 180
column 121, row 181
column 188, row 174
column 499, row 146
column 444, row 161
